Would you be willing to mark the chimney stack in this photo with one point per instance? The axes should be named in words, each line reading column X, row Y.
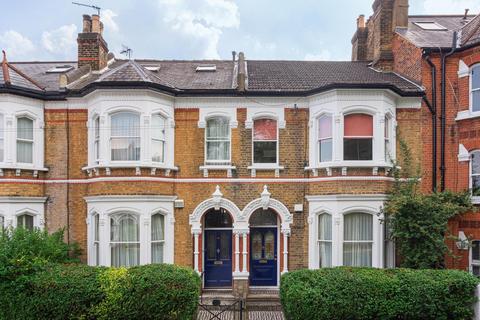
column 241, row 74
column 359, row 40
column 92, row 48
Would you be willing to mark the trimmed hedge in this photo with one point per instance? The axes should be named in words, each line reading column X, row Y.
column 83, row 292
column 367, row 293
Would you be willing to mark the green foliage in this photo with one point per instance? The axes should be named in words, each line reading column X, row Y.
column 366, row 293
column 23, row 252
column 84, row 292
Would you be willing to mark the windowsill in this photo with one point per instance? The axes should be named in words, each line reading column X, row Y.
column 217, row 167
column 349, row 164
column 476, row 200
column 129, row 165
column 265, row 167
column 24, row 167
column 467, row 114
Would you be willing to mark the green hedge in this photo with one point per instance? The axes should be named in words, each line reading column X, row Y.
column 83, row 292
column 366, row 293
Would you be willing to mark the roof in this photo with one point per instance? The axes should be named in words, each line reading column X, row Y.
column 10, row 76
column 180, row 77
column 441, row 38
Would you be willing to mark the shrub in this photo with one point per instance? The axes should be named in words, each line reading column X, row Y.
column 84, row 292
column 366, row 293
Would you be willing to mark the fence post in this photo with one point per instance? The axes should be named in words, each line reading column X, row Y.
column 477, row 303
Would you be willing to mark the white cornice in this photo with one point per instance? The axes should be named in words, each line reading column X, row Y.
column 348, row 197
column 129, row 198
column 23, row 199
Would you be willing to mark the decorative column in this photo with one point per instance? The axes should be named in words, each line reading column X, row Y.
column 244, row 253
column 286, row 234
column 237, row 251
column 196, row 250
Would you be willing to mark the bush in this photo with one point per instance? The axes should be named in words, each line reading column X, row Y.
column 83, row 292
column 366, row 293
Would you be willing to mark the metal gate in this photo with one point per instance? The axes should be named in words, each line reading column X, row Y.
column 217, row 311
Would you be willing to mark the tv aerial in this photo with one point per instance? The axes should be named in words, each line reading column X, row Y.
column 126, row 51
column 88, row 6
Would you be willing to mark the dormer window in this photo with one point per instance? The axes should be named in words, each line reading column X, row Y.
column 358, row 137
column 475, row 88
column 60, row 69
column 430, row 25
column 206, row 68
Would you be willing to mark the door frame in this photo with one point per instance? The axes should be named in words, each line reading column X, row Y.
column 279, row 238
column 204, row 250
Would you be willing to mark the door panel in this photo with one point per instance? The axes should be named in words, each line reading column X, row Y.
column 218, row 258
column 263, row 256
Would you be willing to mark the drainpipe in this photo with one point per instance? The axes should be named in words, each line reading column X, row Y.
column 433, row 110
column 443, row 110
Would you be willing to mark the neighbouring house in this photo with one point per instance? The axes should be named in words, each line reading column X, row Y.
column 240, row 169
column 441, row 53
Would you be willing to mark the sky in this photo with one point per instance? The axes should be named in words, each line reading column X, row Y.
column 197, row 29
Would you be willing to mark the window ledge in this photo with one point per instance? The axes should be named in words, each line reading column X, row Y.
column 328, row 166
column 476, row 200
column 153, row 167
column 220, row 167
column 19, row 168
column 269, row 167
column 467, row 114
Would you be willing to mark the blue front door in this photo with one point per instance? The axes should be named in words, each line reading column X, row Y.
column 218, row 258
column 263, row 256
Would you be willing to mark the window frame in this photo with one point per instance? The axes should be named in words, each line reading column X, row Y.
column 387, row 136
column 277, row 141
column 17, row 139
column 471, row 174
column 158, row 241
column 22, row 215
column 207, row 140
column 139, row 137
column 372, row 137
column 472, row 90
column 318, row 139
column 320, row 241
column 152, row 139
column 96, row 139
column 96, row 240
column 371, row 242
column 473, row 262
column 136, row 217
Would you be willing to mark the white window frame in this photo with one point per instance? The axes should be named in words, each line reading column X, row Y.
column 163, row 141
column 111, row 242
column 25, row 214
column 144, row 207
column 318, row 140
column 472, row 90
column 475, row 199
column 139, row 137
column 472, row 262
column 158, row 241
column 96, row 138
column 96, row 238
column 32, row 141
column 229, row 140
column 266, row 165
column 388, row 138
column 320, row 241
column 372, row 137
column 357, row 241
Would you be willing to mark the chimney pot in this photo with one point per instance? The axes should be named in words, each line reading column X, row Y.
column 87, row 23
column 96, row 24
column 92, row 48
column 466, row 14
column 234, row 55
column 361, row 21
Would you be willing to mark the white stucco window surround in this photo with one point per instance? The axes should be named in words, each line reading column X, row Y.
column 21, row 134
column 354, row 234
column 130, row 230
column 23, row 211
column 218, row 124
column 473, row 72
column 128, row 129
column 328, row 131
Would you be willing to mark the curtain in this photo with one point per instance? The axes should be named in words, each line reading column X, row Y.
column 24, row 140
column 358, row 238
column 325, row 240
column 125, row 136
column 358, row 125
column 2, row 135
column 124, row 235
column 158, row 138
column 158, row 237
column 264, row 129
column 218, row 139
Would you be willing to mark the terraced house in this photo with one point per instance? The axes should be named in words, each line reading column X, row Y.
column 241, row 169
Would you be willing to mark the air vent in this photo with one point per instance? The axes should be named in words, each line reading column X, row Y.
column 206, row 68
column 60, row 69
column 430, row 25
column 153, row 68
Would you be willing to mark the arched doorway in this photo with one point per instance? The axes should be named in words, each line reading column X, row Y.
column 264, row 248
column 217, row 248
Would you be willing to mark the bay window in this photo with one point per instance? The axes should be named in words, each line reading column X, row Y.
column 158, row 237
column 24, row 140
column 475, row 88
column 158, row 138
column 2, row 138
column 325, row 240
column 124, row 240
column 25, row 221
column 217, row 139
column 475, row 258
column 125, row 136
column 325, row 138
column 475, row 173
column 358, row 137
column 357, row 240
column 265, row 141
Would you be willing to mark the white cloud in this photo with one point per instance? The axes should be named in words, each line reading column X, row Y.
column 16, row 45
column 323, row 55
column 61, row 41
column 108, row 17
column 451, row 6
column 202, row 20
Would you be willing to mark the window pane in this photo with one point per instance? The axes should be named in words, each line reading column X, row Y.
column 218, row 219
column 357, row 254
column 263, row 218
column 476, row 77
column 476, row 101
column 476, row 270
column 125, row 124
column 264, row 129
column 358, row 226
column 357, row 149
column 157, row 252
column 219, row 150
column 387, row 127
column 125, row 255
column 358, row 125
column 24, row 152
column 476, row 186
column 476, row 162
column 97, row 127
column 158, row 149
column 2, row 223
column 325, row 150
column 25, row 221
column 126, row 149
column 324, row 127
column 324, row 227
column 24, row 128
column 96, row 227
column 264, row 152
column 158, row 127
column 475, row 250
column 325, row 254
column 256, row 245
column 124, row 228
column 225, row 246
column 158, row 226
column 211, row 246
column 2, row 135
column 269, row 245
column 218, row 128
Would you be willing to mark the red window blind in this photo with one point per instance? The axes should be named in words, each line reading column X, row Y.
column 358, row 125
column 324, row 127
column 265, row 129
